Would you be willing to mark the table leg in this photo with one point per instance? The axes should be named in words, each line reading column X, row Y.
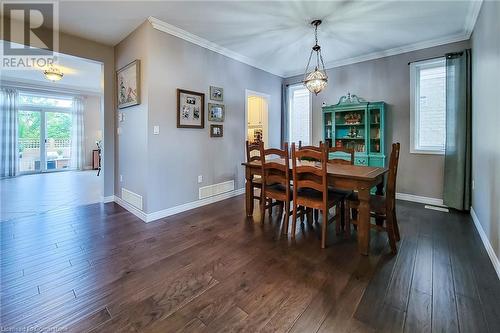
column 364, row 221
column 380, row 191
column 248, row 192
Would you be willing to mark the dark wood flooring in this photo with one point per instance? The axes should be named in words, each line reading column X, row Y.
column 98, row 268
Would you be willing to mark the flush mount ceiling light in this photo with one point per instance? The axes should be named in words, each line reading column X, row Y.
column 53, row 74
column 316, row 80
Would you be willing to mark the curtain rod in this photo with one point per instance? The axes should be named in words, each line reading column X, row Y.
column 447, row 55
column 411, row 62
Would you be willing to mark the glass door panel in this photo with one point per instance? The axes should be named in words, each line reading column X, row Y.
column 58, row 140
column 30, row 133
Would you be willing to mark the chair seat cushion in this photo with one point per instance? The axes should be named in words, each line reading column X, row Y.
column 317, row 196
column 377, row 203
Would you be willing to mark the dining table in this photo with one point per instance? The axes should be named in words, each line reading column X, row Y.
column 357, row 178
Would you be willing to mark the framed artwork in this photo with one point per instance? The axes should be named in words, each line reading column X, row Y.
column 216, row 131
column 190, row 109
column 216, row 94
column 129, row 84
column 216, row 112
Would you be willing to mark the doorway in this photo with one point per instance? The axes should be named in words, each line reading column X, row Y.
column 45, row 127
column 257, row 117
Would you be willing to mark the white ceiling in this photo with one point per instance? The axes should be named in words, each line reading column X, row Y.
column 276, row 35
column 80, row 75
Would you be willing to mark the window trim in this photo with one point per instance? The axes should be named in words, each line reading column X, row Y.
column 415, row 68
column 289, row 93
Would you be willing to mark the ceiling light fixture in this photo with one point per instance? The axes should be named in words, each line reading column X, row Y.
column 317, row 80
column 53, row 74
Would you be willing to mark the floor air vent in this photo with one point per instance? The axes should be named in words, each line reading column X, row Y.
column 132, row 198
column 215, row 189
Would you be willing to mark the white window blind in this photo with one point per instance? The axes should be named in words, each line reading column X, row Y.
column 428, row 106
column 299, row 115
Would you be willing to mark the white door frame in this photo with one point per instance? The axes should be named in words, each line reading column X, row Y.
column 249, row 93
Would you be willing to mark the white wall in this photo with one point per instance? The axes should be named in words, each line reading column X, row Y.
column 486, row 121
column 93, row 124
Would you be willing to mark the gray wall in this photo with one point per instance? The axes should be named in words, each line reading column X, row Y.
column 132, row 144
column 388, row 79
column 176, row 157
column 92, row 124
column 486, row 121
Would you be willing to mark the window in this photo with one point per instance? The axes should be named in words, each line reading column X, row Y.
column 299, row 115
column 428, row 106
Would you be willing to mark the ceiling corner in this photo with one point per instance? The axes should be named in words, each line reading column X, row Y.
column 470, row 21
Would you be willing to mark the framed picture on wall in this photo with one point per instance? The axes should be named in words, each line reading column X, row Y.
column 190, row 109
column 216, row 131
column 216, row 112
column 128, row 82
column 216, row 94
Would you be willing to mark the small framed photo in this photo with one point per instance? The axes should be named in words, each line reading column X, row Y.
column 216, row 112
column 128, row 81
column 216, row 131
column 190, row 109
column 216, row 94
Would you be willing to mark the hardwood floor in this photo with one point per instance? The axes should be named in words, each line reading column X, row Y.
column 97, row 268
column 27, row 195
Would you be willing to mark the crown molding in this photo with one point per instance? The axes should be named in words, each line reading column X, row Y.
column 192, row 38
column 470, row 20
column 389, row 52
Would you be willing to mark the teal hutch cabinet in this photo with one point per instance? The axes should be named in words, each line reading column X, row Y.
column 357, row 124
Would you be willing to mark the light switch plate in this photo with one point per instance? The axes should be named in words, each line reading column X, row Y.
column 119, row 130
column 200, row 179
column 156, row 129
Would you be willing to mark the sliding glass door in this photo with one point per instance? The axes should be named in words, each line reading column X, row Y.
column 57, row 140
column 45, row 133
column 30, row 138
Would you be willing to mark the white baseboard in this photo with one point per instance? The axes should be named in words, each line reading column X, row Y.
column 109, row 198
column 420, row 199
column 137, row 212
column 176, row 209
column 191, row 205
column 486, row 242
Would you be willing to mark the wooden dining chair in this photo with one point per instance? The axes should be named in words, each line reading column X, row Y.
column 309, row 211
column 253, row 154
column 310, row 186
column 336, row 159
column 275, row 181
column 384, row 207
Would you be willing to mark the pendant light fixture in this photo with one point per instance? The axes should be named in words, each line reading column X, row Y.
column 53, row 74
column 317, row 80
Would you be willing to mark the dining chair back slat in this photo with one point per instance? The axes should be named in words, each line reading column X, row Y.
column 310, row 174
column 274, row 172
column 338, row 160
